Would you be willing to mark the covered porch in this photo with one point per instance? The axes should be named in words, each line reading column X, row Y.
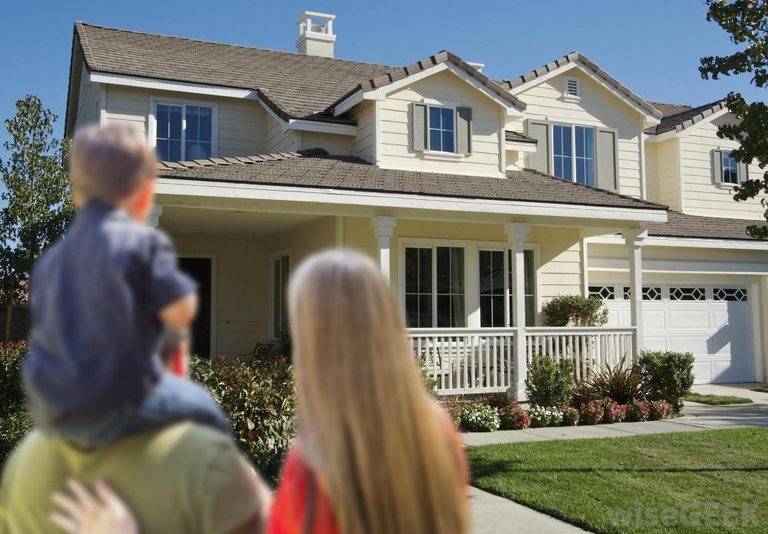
column 471, row 284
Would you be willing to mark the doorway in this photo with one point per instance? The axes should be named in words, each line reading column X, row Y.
column 200, row 270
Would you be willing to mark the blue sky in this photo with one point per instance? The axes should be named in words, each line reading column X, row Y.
column 652, row 46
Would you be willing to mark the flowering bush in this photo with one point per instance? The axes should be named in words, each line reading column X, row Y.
column 453, row 406
column 570, row 416
column 542, row 416
column 514, row 417
column 659, row 410
column 258, row 397
column 592, row 414
column 613, row 412
column 638, row 410
column 477, row 417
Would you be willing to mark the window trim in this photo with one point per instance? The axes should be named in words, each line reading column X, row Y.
column 212, row 257
column 442, row 154
column 278, row 255
column 183, row 102
column 726, row 153
column 573, row 127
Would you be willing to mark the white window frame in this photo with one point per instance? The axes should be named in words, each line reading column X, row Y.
column 152, row 123
column 534, row 249
column 272, row 259
column 726, row 153
column 573, row 148
column 430, row 103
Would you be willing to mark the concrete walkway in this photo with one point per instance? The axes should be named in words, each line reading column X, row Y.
column 496, row 515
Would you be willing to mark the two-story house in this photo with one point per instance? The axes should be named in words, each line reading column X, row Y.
column 480, row 199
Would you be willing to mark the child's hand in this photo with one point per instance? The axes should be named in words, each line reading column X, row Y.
column 180, row 313
column 84, row 512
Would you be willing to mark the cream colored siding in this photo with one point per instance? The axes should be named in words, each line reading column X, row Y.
column 701, row 196
column 88, row 101
column 395, row 128
column 242, row 123
column 597, row 107
column 338, row 145
column 279, row 140
column 365, row 141
column 664, row 173
column 559, row 259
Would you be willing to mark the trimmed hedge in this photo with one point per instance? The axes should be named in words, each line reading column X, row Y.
column 14, row 419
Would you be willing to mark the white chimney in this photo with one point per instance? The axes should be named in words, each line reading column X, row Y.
column 316, row 35
column 478, row 66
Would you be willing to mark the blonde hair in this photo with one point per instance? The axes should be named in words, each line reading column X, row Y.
column 376, row 442
column 110, row 163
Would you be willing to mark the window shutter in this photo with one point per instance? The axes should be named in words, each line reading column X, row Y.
column 743, row 172
column 539, row 160
column 419, row 126
column 607, row 164
column 464, row 131
column 717, row 166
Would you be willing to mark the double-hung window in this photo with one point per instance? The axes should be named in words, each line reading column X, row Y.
column 493, row 272
column 442, row 129
column 435, row 287
column 183, row 131
column 573, row 153
column 730, row 169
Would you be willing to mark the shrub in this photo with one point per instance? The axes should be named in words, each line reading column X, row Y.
column 583, row 394
column 622, row 383
column 613, row 412
column 11, row 390
column 570, row 416
column 14, row 425
column 549, row 383
column 638, row 410
column 574, row 310
column 592, row 414
column 543, row 417
column 669, row 375
column 454, row 407
column 477, row 417
column 659, row 410
column 513, row 417
column 258, row 397
column 497, row 400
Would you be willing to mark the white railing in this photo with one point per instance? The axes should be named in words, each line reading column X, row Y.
column 466, row 360
column 481, row 360
column 592, row 349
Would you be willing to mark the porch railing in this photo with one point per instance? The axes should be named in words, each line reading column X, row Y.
column 481, row 360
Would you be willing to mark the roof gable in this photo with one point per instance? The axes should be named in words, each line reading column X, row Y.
column 679, row 118
column 577, row 60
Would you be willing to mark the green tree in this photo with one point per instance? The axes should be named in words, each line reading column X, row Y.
column 37, row 201
column 746, row 22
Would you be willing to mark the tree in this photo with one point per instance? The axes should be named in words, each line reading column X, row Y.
column 747, row 23
column 37, row 197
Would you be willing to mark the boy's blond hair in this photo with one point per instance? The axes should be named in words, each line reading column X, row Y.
column 109, row 163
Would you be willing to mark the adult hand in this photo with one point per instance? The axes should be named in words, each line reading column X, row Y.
column 98, row 512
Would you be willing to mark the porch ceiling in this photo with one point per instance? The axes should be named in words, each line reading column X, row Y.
column 201, row 222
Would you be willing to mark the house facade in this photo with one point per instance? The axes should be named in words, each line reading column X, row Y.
column 480, row 199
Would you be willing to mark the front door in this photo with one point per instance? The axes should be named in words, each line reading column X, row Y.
column 200, row 271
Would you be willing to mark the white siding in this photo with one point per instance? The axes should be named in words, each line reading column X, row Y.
column 701, row 196
column 395, row 131
column 597, row 107
column 242, row 123
column 663, row 173
column 278, row 140
column 338, row 145
column 365, row 142
column 88, row 102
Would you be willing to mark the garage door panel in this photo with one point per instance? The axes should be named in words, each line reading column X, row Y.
column 702, row 371
column 688, row 319
column 653, row 318
column 732, row 371
column 696, row 343
column 655, row 342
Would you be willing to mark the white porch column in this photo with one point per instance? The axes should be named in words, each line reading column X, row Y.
column 384, row 229
column 153, row 218
column 516, row 235
column 634, row 240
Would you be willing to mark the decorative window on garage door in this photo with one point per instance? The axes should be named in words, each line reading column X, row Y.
column 651, row 293
column 730, row 294
column 602, row 292
column 687, row 293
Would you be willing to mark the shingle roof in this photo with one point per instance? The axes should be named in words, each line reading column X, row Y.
column 293, row 85
column 695, row 226
column 678, row 117
column 317, row 169
column 596, row 70
column 518, row 137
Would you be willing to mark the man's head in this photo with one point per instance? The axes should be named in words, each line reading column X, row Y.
column 174, row 349
column 113, row 164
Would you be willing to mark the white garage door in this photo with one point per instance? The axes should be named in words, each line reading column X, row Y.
column 713, row 322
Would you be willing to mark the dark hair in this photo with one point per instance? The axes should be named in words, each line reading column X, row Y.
column 169, row 344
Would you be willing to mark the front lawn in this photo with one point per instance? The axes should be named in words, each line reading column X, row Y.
column 761, row 389
column 657, row 483
column 717, row 400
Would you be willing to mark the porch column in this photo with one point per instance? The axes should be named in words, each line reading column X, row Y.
column 153, row 218
column 634, row 240
column 516, row 235
column 384, row 229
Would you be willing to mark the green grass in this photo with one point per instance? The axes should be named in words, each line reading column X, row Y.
column 761, row 389
column 593, row 483
column 717, row 400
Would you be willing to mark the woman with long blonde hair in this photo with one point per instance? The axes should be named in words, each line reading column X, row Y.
column 374, row 454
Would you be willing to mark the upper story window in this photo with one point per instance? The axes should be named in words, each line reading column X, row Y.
column 730, row 169
column 184, row 131
column 573, row 153
column 442, row 129
column 726, row 170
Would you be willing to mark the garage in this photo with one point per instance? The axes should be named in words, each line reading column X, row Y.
column 714, row 322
